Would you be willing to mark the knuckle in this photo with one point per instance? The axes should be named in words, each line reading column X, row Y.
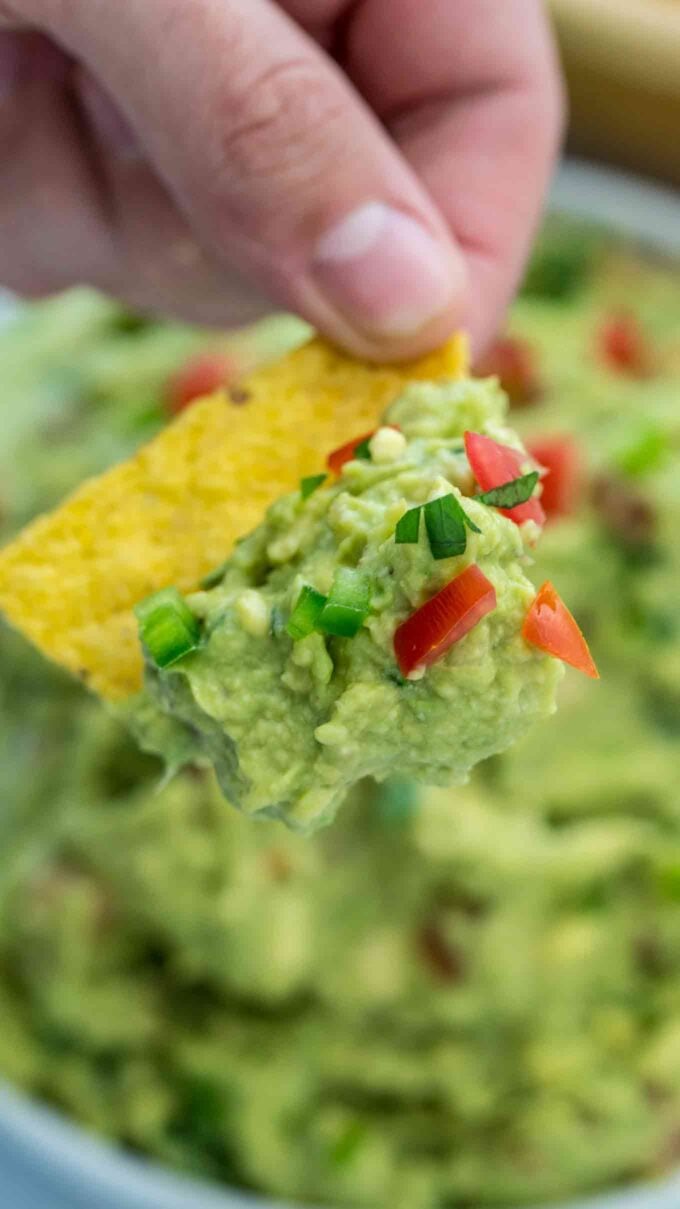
column 281, row 127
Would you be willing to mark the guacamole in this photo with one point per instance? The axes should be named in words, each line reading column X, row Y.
column 451, row 998
column 295, row 692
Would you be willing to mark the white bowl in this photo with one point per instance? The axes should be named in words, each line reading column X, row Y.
column 48, row 1163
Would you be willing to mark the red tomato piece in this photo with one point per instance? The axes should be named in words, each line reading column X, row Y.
column 200, row 376
column 493, row 465
column 513, row 362
column 550, row 626
column 429, row 632
column 344, row 453
column 561, row 457
column 622, row 346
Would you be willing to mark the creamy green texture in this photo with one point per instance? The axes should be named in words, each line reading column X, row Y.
column 291, row 725
column 448, row 998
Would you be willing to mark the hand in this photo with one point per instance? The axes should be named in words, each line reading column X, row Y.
column 377, row 166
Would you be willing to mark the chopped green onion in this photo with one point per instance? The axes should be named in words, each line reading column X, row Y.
column 309, row 484
column 446, row 523
column 348, row 604
column 408, row 527
column 509, row 495
column 305, row 615
column 213, row 578
column 167, row 627
column 363, row 449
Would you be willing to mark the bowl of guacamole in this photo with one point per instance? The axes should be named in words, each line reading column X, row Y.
column 461, row 999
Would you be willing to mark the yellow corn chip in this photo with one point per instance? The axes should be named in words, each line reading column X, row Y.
column 172, row 513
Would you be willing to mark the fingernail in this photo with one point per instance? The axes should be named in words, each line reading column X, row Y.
column 385, row 271
column 10, row 65
column 110, row 125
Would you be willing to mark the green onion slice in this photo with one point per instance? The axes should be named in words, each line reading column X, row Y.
column 509, row 495
column 447, row 523
column 167, row 627
column 309, row 484
column 348, row 604
column 408, row 527
column 308, row 608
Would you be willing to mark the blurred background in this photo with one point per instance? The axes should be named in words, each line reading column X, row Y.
column 621, row 60
column 465, row 1000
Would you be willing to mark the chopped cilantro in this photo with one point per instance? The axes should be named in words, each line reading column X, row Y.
column 447, row 523
column 309, row 484
column 509, row 495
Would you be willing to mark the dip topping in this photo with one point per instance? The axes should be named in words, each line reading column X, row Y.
column 429, row 632
column 309, row 484
column 167, row 627
column 494, row 465
column 358, row 448
column 550, row 626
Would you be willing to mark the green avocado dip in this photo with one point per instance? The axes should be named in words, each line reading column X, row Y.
column 450, row 998
column 291, row 685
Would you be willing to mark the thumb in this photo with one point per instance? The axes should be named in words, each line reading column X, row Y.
column 281, row 169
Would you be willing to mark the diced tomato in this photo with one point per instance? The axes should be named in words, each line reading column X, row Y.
column 550, row 626
column 200, row 376
column 345, row 453
column 622, row 345
column 560, row 457
column 429, row 632
column 493, row 465
column 513, row 362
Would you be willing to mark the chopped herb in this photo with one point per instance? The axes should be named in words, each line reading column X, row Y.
column 309, row 484
column 213, row 578
column 408, row 527
column 348, row 604
column 303, row 620
column 363, row 449
column 447, row 523
column 167, row 627
column 510, row 495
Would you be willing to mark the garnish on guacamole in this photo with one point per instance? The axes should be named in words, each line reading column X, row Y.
column 404, row 650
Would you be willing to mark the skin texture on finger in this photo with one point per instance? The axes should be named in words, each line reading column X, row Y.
column 471, row 91
column 51, row 217
column 279, row 150
column 159, row 265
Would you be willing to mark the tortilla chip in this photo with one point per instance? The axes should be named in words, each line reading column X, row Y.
column 172, row 513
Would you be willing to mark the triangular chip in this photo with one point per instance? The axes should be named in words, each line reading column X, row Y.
column 173, row 512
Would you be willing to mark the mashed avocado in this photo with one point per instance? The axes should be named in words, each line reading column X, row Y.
column 460, row 998
column 290, row 719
